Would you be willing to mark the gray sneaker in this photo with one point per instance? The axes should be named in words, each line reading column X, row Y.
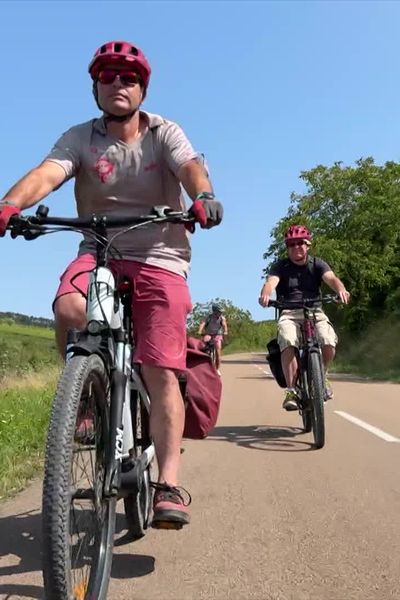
column 290, row 401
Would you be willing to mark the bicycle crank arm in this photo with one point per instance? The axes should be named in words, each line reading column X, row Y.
column 131, row 481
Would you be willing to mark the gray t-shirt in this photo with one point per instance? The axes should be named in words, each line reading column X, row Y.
column 299, row 281
column 214, row 325
column 115, row 178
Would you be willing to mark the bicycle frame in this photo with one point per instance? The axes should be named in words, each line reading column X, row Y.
column 309, row 344
column 105, row 325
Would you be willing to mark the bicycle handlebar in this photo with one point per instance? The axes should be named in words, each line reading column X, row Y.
column 33, row 226
column 305, row 303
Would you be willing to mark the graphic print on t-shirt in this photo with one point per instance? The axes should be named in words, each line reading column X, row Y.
column 104, row 168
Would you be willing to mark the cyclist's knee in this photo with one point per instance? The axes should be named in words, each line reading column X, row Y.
column 328, row 351
column 288, row 349
column 160, row 377
column 70, row 311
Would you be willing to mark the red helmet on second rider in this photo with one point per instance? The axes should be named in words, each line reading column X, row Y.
column 298, row 232
column 122, row 54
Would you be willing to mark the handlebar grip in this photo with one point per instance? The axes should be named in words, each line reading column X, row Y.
column 13, row 221
column 15, row 225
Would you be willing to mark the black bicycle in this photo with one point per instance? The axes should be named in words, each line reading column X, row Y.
column 99, row 447
column 210, row 349
column 310, row 384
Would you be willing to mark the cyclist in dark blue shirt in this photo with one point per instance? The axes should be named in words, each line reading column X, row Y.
column 296, row 277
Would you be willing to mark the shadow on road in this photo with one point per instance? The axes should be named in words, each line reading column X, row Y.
column 20, row 541
column 20, row 538
column 260, row 376
column 9, row 591
column 347, row 377
column 271, row 438
column 128, row 566
column 244, row 361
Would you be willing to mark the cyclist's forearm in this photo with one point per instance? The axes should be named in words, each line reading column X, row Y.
column 29, row 190
column 267, row 289
column 336, row 285
column 194, row 179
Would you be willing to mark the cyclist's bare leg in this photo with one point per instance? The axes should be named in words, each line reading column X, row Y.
column 69, row 313
column 166, row 420
column 218, row 352
column 217, row 356
column 289, row 365
column 328, row 354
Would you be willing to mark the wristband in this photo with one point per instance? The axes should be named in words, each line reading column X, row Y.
column 8, row 203
column 207, row 195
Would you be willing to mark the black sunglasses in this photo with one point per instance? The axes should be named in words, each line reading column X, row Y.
column 128, row 78
column 294, row 244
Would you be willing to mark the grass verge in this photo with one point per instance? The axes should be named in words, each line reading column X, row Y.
column 237, row 347
column 24, row 415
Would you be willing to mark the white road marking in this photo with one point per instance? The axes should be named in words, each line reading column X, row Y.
column 375, row 430
column 262, row 370
column 371, row 428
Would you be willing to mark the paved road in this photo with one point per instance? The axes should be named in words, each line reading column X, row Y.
column 272, row 519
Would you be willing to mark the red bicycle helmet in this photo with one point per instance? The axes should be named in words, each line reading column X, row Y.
column 120, row 53
column 298, row 232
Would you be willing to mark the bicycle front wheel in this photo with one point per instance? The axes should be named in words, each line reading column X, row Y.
column 316, row 393
column 78, row 521
column 214, row 356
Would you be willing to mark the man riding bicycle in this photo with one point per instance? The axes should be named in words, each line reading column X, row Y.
column 214, row 327
column 124, row 163
column 296, row 277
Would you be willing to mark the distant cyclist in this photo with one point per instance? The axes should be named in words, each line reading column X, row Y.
column 296, row 277
column 215, row 327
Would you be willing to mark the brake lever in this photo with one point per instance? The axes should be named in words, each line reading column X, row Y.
column 27, row 234
column 161, row 211
column 15, row 225
column 22, row 226
column 166, row 212
column 32, row 235
column 334, row 299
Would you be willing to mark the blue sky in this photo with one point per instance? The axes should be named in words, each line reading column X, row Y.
column 265, row 89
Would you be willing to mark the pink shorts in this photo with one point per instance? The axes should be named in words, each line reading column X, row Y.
column 161, row 303
column 218, row 339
